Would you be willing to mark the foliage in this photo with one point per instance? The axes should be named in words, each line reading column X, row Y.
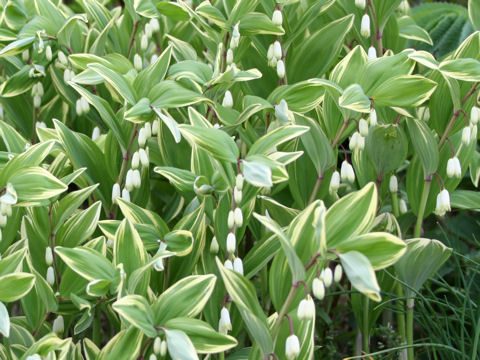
column 178, row 179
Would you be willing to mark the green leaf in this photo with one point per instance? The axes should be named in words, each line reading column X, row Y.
column 181, row 179
column 352, row 215
column 170, row 94
column 258, row 23
column 425, row 145
column 360, row 273
column 125, row 342
column 204, row 338
column 245, row 298
column 80, row 260
column 136, row 310
column 461, row 69
column 34, row 184
column 474, row 13
column 296, row 266
column 187, row 297
column 170, row 123
column 153, row 74
column 280, row 135
column 19, row 83
column 257, row 174
column 382, row 249
column 15, row 286
column 464, row 199
column 353, row 98
column 4, row 321
column 422, row 260
column 115, row 80
column 17, row 46
column 403, row 91
column 214, row 141
column 179, row 345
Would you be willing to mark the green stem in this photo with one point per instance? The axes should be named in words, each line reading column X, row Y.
column 365, row 331
column 400, row 314
column 410, row 305
column 283, row 311
column 395, row 207
column 421, row 209
column 316, row 188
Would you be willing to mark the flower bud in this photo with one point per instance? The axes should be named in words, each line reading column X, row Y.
column 236, row 32
column 334, row 182
column 144, row 158
column 25, row 55
column 277, row 50
column 337, row 273
column 280, row 69
column 135, row 160
column 58, row 325
column 155, row 25
column 474, row 115
column 239, row 182
column 402, row 206
column 95, row 133
column 129, row 180
column 466, row 135
column 231, row 243
column 443, row 203
column 238, row 265
column 153, row 58
column 3, row 220
column 227, row 100
column 148, row 130
column 115, row 192
column 148, row 30
column 155, row 127
column 237, row 195
column 228, row 264
column 363, row 127
column 355, row 141
column 66, row 75
column 231, row 219
column 62, row 58
column 48, row 256
column 37, row 101
column 372, row 53
column 125, row 194
column 373, row 118
column 78, row 107
column 142, row 138
column 393, row 184
column 163, row 349
column 1, row 112
column 346, row 172
column 306, row 309
column 48, row 53
column 157, row 343
column 85, row 105
column 144, row 42
column 292, row 347
column 365, row 26
column 137, row 62
column 270, row 53
column 214, row 247
column 224, row 324
column 238, row 217
column 5, row 209
column 318, row 289
column 327, row 277
column 136, row 179
column 50, row 276
column 229, row 56
column 277, row 18
column 454, row 169
column 40, row 125
column 360, row 4
column 39, row 89
column 152, row 357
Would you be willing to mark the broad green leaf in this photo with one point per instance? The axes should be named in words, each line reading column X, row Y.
column 15, row 286
column 256, row 173
column 125, row 342
column 136, row 310
column 461, row 69
column 34, row 184
column 294, row 262
column 214, row 141
column 4, row 321
column 181, row 179
column 352, row 215
column 186, row 297
column 280, row 135
column 17, row 46
column 474, row 13
column 421, row 261
column 80, row 260
column 464, row 199
column 353, row 98
column 115, row 80
column 382, row 249
column 361, row 274
column 424, row 143
column 259, row 23
column 204, row 338
column 245, row 298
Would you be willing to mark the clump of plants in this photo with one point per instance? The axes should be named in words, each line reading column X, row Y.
column 234, row 180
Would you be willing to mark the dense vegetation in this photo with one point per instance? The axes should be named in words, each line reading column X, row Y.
column 239, row 179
